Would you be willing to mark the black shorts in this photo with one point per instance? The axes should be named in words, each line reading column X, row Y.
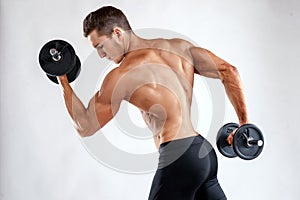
column 187, row 170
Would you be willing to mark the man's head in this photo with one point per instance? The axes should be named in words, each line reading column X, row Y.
column 107, row 28
column 104, row 20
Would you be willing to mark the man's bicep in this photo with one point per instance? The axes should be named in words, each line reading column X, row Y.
column 108, row 99
column 104, row 111
column 101, row 110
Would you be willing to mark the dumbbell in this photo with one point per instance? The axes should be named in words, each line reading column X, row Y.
column 248, row 141
column 58, row 57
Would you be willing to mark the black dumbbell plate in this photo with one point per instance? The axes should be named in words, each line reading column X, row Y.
column 240, row 145
column 223, row 146
column 64, row 64
column 72, row 75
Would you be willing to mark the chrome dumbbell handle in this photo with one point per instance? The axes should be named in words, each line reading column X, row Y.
column 56, row 56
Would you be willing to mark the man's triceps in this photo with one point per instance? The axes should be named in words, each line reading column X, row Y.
column 205, row 62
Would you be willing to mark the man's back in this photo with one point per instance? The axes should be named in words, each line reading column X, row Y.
column 160, row 84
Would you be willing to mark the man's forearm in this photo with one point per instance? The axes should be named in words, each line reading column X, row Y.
column 75, row 107
column 234, row 89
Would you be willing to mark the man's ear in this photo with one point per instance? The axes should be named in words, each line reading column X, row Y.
column 118, row 31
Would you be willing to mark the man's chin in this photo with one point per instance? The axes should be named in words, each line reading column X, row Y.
column 113, row 60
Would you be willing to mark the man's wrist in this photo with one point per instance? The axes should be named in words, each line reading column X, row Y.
column 62, row 79
column 244, row 121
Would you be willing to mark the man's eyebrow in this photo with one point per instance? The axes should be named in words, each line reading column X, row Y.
column 95, row 46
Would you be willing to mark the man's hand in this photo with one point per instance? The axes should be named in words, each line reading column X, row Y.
column 230, row 137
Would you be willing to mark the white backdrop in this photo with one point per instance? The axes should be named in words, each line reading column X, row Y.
column 42, row 157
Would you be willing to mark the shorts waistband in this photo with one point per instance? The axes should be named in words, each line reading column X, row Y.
column 180, row 143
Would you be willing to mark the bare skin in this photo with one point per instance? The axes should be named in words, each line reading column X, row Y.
column 157, row 76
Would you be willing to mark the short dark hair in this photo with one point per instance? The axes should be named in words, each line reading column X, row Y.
column 104, row 20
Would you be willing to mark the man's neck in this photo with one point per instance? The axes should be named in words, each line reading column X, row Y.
column 135, row 43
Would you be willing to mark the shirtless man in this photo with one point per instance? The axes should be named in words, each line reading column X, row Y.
column 157, row 77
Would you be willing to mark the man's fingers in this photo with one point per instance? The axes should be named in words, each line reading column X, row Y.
column 230, row 137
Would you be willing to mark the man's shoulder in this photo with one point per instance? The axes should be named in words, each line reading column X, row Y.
column 177, row 46
column 113, row 76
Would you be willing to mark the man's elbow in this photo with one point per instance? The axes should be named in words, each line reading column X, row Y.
column 232, row 70
column 86, row 127
column 85, row 132
column 228, row 72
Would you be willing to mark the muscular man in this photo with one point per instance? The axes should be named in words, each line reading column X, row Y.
column 157, row 77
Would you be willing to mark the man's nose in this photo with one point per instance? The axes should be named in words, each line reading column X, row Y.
column 102, row 54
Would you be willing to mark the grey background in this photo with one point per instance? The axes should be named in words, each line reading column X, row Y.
column 42, row 157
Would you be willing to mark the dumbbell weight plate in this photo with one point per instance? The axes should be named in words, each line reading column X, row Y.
column 223, row 146
column 72, row 75
column 242, row 147
column 63, row 65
